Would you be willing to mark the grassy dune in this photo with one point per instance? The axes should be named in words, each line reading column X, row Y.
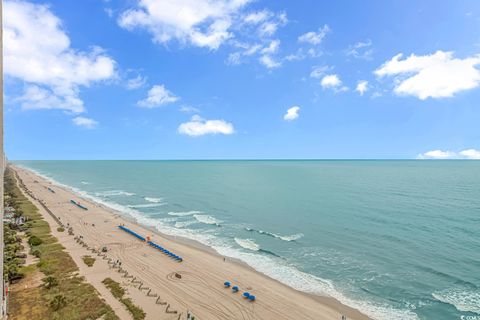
column 63, row 294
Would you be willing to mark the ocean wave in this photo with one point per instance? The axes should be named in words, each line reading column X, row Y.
column 183, row 213
column 205, row 218
column 154, row 200
column 247, row 244
column 463, row 299
column 84, row 182
column 289, row 238
column 289, row 275
column 146, row 205
column 113, row 193
column 183, row 224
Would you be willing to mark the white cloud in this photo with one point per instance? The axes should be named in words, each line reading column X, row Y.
column 362, row 87
column 442, row 155
column 257, row 17
column 202, row 23
column 198, row 126
column 292, row 113
column 319, row 71
column 331, row 81
column 361, row 50
column 272, row 47
column 158, row 95
column 470, row 154
column 267, row 58
column 269, row 62
column 438, row 75
column 314, row 38
column 85, row 122
column 136, row 82
column 189, row 109
column 37, row 51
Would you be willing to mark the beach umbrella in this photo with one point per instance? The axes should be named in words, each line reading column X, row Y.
column 226, row 284
column 251, row 297
column 234, row 288
column 246, row 294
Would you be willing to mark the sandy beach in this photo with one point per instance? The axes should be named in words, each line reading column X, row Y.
column 200, row 289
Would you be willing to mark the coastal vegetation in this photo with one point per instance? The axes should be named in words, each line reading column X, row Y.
column 119, row 293
column 61, row 293
column 88, row 260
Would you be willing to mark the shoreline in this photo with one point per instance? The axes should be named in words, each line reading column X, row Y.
column 330, row 304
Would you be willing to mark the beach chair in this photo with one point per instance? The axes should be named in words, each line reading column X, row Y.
column 226, row 284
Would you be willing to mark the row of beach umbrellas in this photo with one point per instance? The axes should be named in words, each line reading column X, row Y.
column 246, row 294
column 153, row 244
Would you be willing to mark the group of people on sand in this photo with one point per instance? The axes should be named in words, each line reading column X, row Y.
column 117, row 263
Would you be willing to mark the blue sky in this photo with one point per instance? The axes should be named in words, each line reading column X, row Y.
column 237, row 79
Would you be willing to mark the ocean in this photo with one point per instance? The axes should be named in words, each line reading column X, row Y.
column 394, row 239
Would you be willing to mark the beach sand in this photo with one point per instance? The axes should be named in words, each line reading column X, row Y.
column 203, row 272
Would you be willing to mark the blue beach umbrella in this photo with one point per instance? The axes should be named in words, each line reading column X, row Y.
column 246, row 294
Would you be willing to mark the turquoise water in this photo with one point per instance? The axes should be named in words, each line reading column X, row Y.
column 395, row 239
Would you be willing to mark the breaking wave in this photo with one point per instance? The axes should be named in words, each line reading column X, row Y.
column 289, row 238
column 205, row 218
column 247, row 244
column 154, row 200
column 183, row 213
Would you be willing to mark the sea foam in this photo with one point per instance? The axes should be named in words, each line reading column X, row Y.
column 147, row 205
column 462, row 299
column 183, row 213
column 206, row 219
column 247, row 244
column 114, row 193
column 154, row 200
column 288, row 238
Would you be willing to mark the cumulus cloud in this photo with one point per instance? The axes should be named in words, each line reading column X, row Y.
column 292, row 113
column 37, row 51
column 209, row 24
column 85, row 122
column 361, row 50
column 331, row 81
column 438, row 75
column 267, row 58
column 471, row 154
column 158, row 96
column 314, row 38
column 202, row 23
column 362, row 87
column 198, row 126
column 136, row 82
